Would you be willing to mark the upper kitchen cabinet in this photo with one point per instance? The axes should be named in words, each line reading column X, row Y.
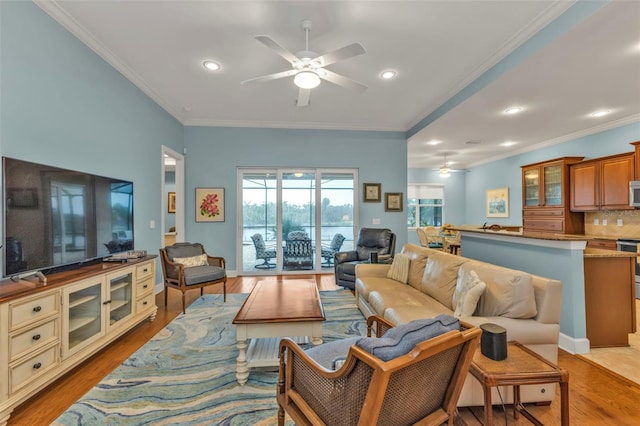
column 636, row 145
column 545, row 194
column 602, row 183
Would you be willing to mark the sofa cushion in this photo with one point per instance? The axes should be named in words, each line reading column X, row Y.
column 399, row 270
column 190, row 262
column 401, row 314
column 392, row 296
column 418, row 257
column 440, row 276
column 469, row 288
column 509, row 292
column 401, row 339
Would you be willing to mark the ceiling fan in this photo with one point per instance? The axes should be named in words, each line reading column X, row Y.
column 446, row 170
column 308, row 68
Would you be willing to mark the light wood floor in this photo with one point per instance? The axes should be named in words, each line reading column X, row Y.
column 597, row 396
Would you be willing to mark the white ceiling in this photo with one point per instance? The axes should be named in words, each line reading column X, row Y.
column 437, row 48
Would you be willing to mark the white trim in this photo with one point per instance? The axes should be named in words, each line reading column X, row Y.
column 573, row 345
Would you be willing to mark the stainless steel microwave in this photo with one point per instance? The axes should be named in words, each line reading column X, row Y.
column 634, row 193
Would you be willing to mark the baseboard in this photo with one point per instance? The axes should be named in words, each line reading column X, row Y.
column 573, row 345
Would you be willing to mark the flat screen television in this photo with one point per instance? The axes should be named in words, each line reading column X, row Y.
column 55, row 219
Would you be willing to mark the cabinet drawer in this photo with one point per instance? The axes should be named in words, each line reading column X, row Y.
column 33, row 338
column 544, row 225
column 602, row 244
column 33, row 309
column 23, row 373
column 143, row 287
column 544, row 212
column 145, row 302
column 144, row 270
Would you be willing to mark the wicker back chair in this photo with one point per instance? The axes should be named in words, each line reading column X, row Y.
column 422, row 386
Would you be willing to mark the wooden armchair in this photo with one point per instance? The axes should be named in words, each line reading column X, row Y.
column 187, row 266
column 421, row 386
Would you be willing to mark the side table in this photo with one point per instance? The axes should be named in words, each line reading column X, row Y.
column 521, row 367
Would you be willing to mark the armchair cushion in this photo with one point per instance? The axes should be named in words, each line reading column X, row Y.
column 192, row 261
column 331, row 355
column 401, row 339
column 201, row 274
column 184, row 250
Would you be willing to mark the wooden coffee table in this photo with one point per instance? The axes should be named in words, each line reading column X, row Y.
column 521, row 367
column 273, row 310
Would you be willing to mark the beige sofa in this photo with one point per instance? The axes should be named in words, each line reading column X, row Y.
column 527, row 306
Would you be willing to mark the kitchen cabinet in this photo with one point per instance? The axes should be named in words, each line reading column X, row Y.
column 601, row 243
column 602, row 183
column 609, row 286
column 46, row 329
column 545, row 192
column 636, row 146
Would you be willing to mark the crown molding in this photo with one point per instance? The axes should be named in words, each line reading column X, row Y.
column 288, row 125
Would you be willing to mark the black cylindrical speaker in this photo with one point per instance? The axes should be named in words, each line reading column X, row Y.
column 493, row 343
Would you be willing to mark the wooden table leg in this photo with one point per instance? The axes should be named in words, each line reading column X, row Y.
column 516, row 402
column 564, row 402
column 488, row 407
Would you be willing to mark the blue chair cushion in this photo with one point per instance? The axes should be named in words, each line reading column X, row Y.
column 328, row 354
column 399, row 340
column 203, row 274
column 184, row 250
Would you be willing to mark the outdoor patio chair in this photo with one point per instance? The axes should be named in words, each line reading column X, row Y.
column 298, row 251
column 330, row 250
column 413, row 374
column 186, row 266
column 263, row 252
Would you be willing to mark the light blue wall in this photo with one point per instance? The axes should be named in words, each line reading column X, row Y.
column 63, row 105
column 214, row 155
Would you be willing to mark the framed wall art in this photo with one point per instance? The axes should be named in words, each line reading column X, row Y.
column 393, row 201
column 171, row 202
column 209, row 204
column 371, row 192
column 498, row 202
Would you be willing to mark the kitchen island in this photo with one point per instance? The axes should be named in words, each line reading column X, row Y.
column 563, row 257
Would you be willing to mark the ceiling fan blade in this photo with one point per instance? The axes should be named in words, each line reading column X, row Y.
column 354, row 49
column 341, row 80
column 269, row 77
column 267, row 41
column 303, row 97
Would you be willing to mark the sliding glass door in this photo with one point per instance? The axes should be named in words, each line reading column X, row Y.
column 292, row 221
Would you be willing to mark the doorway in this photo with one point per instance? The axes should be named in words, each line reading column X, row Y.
column 172, row 223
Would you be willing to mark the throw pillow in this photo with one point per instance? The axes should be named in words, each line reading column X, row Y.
column 469, row 288
column 440, row 276
column 399, row 270
column 190, row 262
column 509, row 293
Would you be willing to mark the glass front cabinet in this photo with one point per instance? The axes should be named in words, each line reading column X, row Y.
column 545, row 193
column 93, row 306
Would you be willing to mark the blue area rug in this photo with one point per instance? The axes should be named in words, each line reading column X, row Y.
column 186, row 373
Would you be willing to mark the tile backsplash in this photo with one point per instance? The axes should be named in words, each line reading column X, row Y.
column 630, row 223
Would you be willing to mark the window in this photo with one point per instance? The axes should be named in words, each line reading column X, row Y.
column 424, row 205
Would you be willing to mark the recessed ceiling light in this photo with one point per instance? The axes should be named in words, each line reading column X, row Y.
column 600, row 113
column 508, row 143
column 388, row 74
column 513, row 110
column 434, row 142
column 211, row 66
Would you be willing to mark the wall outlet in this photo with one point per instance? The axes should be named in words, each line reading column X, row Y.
column 596, row 222
column 152, row 224
column 604, row 222
column 376, row 221
column 619, row 222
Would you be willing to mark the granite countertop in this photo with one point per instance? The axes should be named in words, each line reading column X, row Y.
column 596, row 252
column 520, row 234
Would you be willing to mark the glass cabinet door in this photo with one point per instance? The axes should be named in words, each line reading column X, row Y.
column 531, row 187
column 120, row 296
column 82, row 320
column 553, row 185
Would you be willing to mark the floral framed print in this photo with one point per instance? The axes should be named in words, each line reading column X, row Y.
column 371, row 192
column 393, row 201
column 498, row 202
column 209, row 204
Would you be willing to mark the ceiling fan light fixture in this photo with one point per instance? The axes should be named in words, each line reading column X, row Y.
column 211, row 66
column 445, row 172
column 306, row 79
